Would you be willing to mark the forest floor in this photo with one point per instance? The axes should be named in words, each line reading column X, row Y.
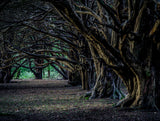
column 55, row 100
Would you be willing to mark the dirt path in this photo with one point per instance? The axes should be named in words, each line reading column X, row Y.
column 48, row 100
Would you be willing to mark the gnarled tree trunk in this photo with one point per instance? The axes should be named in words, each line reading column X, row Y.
column 107, row 84
column 140, row 87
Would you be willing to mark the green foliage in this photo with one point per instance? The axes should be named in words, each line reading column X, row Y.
column 53, row 72
column 27, row 74
column 122, row 97
column 86, row 98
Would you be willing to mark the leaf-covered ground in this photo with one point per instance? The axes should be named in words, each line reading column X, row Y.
column 48, row 100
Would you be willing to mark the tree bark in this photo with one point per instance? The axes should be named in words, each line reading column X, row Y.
column 38, row 71
column 157, row 88
column 107, row 84
column 84, row 78
column 5, row 75
column 140, row 86
column 74, row 78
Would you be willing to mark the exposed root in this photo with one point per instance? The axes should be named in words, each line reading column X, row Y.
column 126, row 102
column 133, row 103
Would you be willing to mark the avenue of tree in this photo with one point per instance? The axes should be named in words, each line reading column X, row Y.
column 96, row 43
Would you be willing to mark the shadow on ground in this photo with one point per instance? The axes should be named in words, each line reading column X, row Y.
column 38, row 100
column 95, row 114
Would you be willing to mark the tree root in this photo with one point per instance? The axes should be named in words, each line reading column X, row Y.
column 126, row 102
column 129, row 102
